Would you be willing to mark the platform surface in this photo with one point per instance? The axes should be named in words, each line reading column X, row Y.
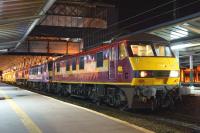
column 26, row 112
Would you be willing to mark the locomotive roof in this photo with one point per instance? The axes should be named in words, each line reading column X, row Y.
column 144, row 37
column 87, row 51
column 133, row 38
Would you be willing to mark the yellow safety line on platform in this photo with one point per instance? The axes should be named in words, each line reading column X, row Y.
column 104, row 115
column 26, row 120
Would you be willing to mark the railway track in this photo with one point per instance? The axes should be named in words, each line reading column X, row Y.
column 180, row 120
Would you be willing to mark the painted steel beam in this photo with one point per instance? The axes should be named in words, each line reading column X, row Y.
column 35, row 22
column 32, row 54
column 185, row 39
column 17, row 20
column 58, row 31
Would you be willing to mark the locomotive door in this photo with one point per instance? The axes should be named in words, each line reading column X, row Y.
column 113, row 54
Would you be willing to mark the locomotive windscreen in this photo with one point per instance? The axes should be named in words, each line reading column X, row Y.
column 141, row 50
column 162, row 50
column 149, row 50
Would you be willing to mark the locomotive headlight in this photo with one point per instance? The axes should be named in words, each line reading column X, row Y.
column 143, row 74
column 174, row 74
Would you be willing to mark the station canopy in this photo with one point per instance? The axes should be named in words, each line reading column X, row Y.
column 18, row 18
column 183, row 36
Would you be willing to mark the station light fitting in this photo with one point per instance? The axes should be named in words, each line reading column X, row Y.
column 66, row 39
column 3, row 50
column 179, row 32
column 76, row 40
column 182, row 46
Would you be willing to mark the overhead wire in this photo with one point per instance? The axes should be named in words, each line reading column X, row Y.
column 131, row 25
column 142, row 13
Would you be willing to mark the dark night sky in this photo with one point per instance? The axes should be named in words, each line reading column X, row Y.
column 132, row 7
column 128, row 8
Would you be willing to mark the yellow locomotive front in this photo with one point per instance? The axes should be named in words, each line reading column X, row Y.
column 153, row 64
column 155, row 73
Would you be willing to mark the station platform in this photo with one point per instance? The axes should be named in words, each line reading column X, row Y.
column 22, row 111
column 190, row 90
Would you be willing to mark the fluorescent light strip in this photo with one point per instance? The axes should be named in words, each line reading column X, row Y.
column 3, row 50
column 186, row 45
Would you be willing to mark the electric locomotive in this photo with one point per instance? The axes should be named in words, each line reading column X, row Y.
column 138, row 71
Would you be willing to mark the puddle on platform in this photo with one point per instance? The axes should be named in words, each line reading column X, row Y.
column 22, row 95
column 4, row 98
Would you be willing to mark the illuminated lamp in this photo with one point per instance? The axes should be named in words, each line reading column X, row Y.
column 143, row 74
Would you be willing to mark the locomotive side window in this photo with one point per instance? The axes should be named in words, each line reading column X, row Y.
column 122, row 51
column 67, row 65
column 50, row 64
column 81, row 62
column 42, row 70
column 162, row 50
column 99, row 59
column 39, row 70
column 58, row 67
column 74, row 63
column 142, row 50
column 36, row 71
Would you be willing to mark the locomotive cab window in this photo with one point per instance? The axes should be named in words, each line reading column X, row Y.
column 58, row 67
column 122, row 51
column 141, row 50
column 162, row 50
column 81, row 62
column 99, row 59
column 74, row 63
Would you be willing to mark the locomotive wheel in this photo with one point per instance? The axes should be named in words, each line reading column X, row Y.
column 46, row 88
column 169, row 102
column 58, row 90
column 92, row 94
column 114, row 97
column 154, row 104
column 114, row 101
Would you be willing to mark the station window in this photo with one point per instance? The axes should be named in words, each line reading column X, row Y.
column 67, row 65
column 74, row 63
column 81, row 62
column 58, row 67
column 99, row 59
column 122, row 51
